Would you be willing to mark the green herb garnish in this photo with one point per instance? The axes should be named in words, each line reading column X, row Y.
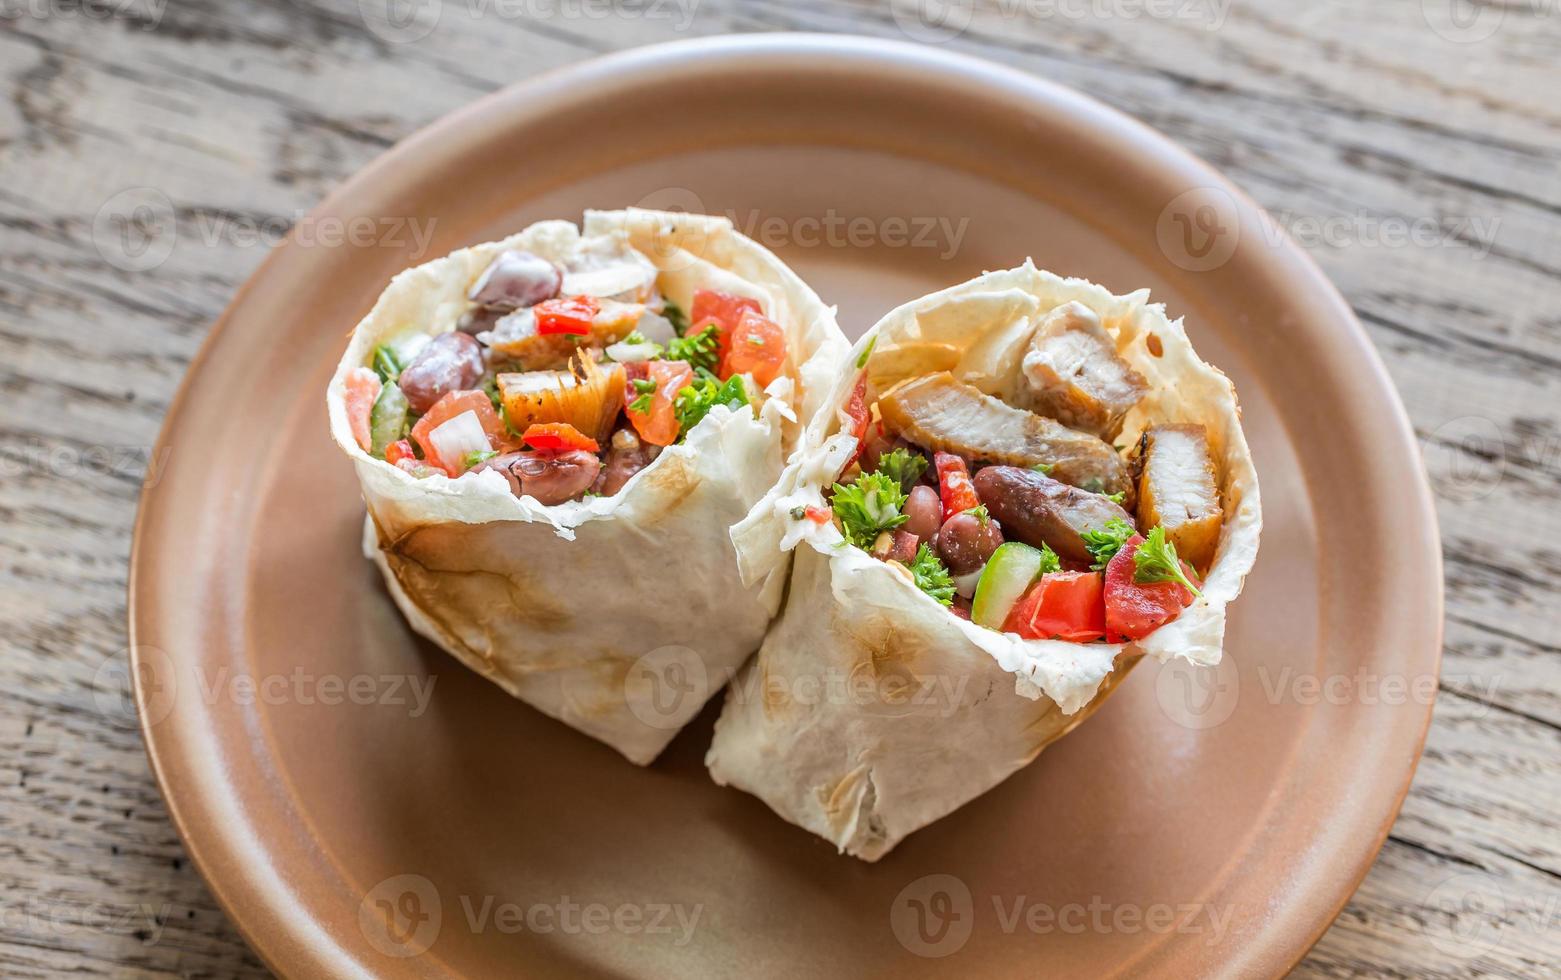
column 696, row 400
column 903, row 466
column 1044, row 469
column 1117, row 497
column 476, row 456
column 868, row 507
column 698, row 349
column 1106, row 542
column 1156, row 561
column 979, row 512
column 675, row 316
column 861, row 359
column 1049, row 560
column 386, row 364
column 931, row 576
column 645, row 391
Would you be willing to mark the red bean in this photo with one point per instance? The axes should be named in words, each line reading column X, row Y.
column 966, row 542
column 925, row 511
column 516, row 279
column 627, row 456
column 449, row 362
column 553, row 478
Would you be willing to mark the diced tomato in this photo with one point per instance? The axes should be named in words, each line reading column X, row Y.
column 447, row 408
column 1136, row 609
column 758, row 348
column 567, row 314
column 659, row 425
column 954, row 484
column 558, row 437
column 362, row 388
column 399, row 450
column 725, row 311
column 1062, row 605
column 857, row 417
column 820, row 515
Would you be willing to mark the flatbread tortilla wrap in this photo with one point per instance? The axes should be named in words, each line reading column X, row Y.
column 553, row 434
column 986, row 518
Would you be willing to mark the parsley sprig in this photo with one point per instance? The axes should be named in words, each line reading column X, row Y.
column 1156, row 561
column 931, row 576
column 1103, row 544
column 695, row 401
column 869, row 506
column 903, row 466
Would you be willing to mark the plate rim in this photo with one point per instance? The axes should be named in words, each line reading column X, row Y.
column 283, row 948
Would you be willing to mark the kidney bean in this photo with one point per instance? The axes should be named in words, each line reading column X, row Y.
column 449, row 362
column 553, row 478
column 925, row 511
column 965, row 542
column 516, row 279
column 626, row 457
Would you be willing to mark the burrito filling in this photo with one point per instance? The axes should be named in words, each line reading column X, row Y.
column 1022, row 517
column 567, row 381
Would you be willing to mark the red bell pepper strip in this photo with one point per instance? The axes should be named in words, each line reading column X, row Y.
column 567, row 314
column 954, row 485
column 557, row 437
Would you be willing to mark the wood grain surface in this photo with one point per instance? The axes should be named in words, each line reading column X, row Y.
column 151, row 150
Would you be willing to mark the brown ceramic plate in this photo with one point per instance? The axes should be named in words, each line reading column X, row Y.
column 1198, row 825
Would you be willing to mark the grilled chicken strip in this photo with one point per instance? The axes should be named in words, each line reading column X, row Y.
column 1178, row 491
column 1038, row 510
column 938, row 412
column 1075, row 375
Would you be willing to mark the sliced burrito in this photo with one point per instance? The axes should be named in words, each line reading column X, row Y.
column 553, row 434
column 1016, row 488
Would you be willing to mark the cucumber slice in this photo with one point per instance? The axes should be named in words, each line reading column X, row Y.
column 1008, row 573
column 388, row 419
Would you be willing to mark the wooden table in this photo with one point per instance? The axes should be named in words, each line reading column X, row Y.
column 1413, row 147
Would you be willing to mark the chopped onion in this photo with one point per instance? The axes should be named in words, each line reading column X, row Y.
column 655, row 328
column 965, row 585
column 454, row 440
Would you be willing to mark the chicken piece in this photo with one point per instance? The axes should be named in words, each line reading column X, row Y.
column 588, row 398
column 515, row 336
column 1075, row 375
column 1178, row 490
column 1038, row 510
column 938, row 412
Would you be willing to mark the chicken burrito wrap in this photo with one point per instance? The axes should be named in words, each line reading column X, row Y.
column 1016, row 488
column 553, row 434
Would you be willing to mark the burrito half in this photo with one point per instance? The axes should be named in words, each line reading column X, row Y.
column 1018, row 487
column 553, row 434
